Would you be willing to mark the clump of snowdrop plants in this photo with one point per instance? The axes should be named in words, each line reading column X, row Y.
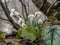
column 31, row 31
column 27, row 29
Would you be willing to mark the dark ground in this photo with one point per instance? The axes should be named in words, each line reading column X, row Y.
column 21, row 41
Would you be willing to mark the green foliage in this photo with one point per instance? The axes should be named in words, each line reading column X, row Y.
column 51, row 34
column 29, row 32
column 39, row 31
column 2, row 35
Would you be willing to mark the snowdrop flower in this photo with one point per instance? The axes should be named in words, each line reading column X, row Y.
column 40, row 15
column 30, row 18
column 15, row 15
column 11, row 14
column 21, row 21
column 40, row 21
column 23, row 25
column 14, row 12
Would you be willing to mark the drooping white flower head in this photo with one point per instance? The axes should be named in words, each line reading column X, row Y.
column 40, row 21
column 40, row 16
column 15, row 16
column 31, row 17
column 38, row 13
column 23, row 25
column 12, row 12
column 21, row 22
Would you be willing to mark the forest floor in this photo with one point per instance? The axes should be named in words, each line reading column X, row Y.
column 21, row 41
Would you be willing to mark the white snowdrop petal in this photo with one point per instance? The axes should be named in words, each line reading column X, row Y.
column 30, row 16
column 16, row 13
column 23, row 25
column 21, row 21
column 40, row 21
column 12, row 10
column 11, row 14
column 38, row 13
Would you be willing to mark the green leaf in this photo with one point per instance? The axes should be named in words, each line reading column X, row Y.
column 51, row 34
column 28, row 35
column 39, row 32
column 29, row 32
column 2, row 35
column 19, row 33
